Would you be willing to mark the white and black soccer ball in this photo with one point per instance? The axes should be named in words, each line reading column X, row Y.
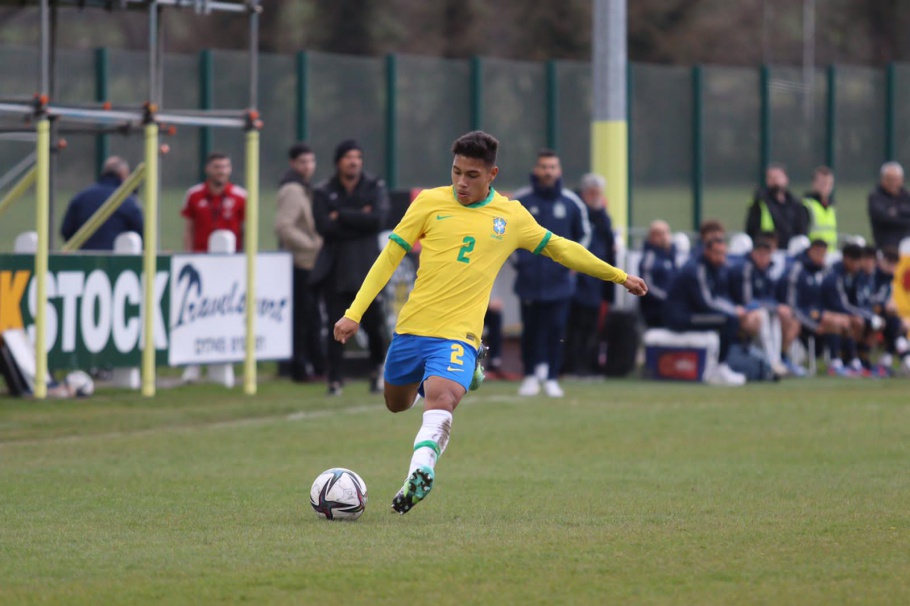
column 338, row 494
column 79, row 384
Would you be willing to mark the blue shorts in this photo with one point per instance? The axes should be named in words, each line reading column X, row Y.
column 411, row 359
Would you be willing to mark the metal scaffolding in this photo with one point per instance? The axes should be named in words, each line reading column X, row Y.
column 44, row 118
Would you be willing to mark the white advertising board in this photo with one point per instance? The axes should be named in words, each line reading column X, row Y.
column 208, row 303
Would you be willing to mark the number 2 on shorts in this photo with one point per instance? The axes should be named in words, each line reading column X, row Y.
column 457, row 353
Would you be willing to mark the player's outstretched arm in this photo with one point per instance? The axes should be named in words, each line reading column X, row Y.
column 575, row 256
column 376, row 279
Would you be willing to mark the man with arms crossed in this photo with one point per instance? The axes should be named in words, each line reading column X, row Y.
column 467, row 231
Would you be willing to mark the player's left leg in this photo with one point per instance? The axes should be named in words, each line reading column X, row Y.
column 448, row 375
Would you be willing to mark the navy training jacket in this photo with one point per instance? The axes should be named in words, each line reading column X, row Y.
column 801, row 288
column 699, row 288
column 559, row 210
column 591, row 291
column 657, row 269
column 750, row 286
column 128, row 217
column 845, row 293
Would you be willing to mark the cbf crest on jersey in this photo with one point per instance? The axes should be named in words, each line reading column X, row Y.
column 499, row 226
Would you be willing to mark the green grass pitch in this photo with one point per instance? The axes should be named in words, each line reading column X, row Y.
column 624, row 492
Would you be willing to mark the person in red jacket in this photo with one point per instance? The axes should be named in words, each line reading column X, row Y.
column 216, row 203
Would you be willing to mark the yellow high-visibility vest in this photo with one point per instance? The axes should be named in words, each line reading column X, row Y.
column 822, row 222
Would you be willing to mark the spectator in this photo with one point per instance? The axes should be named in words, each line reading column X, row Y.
column 592, row 297
column 776, row 209
column 699, row 299
column 820, row 206
column 544, row 287
column 889, row 207
column 657, row 269
column 214, row 204
column 350, row 210
column 127, row 217
column 752, row 287
column 297, row 233
column 843, row 293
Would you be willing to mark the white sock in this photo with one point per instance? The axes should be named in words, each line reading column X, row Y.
column 432, row 439
column 777, row 335
column 766, row 338
column 886, row 360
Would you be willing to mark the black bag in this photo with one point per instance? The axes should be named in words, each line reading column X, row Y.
column 621, row 336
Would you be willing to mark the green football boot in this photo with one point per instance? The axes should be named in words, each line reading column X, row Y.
column 478, row 377
column 415, row 489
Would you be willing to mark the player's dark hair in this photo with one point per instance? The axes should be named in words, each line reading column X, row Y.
column 870, row 252
column 763, row 242
column 711, row 226
column 546, row 152
column 852, row 251
column 890, row 254
column 770, row 236
column 822, row 170
column 477, row 144
column 818, row 242
column 299, row 149
column 217, row 155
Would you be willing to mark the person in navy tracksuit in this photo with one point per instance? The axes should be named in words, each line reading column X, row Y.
column 699, row 299
column 753, row 287
column 592, row 296
column 544, row 287
column 844, row 291
column 658, row 263
column 127, row 217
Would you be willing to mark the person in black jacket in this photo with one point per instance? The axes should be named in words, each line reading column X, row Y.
column 889, row 207
column 128, row 217
column 775, row 208
column 350, row 210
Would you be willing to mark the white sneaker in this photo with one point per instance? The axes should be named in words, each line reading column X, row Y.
column 779, row 369
column 541, row 371
column 552, row 389
column 905, row 365
column 724, row 375
column 529, row 386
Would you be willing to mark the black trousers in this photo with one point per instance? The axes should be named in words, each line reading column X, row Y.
column 372, row 323
column 582, row 340
column 308, row 345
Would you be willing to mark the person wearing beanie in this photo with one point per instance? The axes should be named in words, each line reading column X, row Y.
column 350, row 210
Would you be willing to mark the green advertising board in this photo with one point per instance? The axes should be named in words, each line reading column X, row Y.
column 93, row 307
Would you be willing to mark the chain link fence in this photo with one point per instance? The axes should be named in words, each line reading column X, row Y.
column 405, row 111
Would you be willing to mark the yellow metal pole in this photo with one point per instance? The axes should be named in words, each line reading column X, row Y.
column 17, row 191
column 42, row 195
column 609, row 157
column 251, row 237
column 105, row 210
column 149, row 266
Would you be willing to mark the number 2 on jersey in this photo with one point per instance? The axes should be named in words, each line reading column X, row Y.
column 467, row 248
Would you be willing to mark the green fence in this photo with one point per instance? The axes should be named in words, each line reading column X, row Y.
column 699, row 135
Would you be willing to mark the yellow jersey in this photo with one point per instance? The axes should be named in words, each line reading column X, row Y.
column 462, row 250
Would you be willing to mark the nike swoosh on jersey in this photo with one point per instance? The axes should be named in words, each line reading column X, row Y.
column 450, row 369
column 441, row 217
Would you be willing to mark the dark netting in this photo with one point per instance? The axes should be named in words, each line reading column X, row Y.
column 434, row 109
column 731, row 143
column 346, row 98
column 19, row 75
column 860, row 119
column 661, row 134
column 902, row 114
column 798, row 122
column 515, row 112
column 573, row 133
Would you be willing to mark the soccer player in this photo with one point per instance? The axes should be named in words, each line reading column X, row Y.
column 467, row 231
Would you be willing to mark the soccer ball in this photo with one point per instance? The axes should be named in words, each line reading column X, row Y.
column 338, row 494
column 79, row 384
